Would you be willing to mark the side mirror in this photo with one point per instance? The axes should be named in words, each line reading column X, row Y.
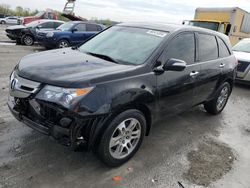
column 74, row 30
column 174, row 65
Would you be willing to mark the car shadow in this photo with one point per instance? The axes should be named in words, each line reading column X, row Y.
column 41, row 160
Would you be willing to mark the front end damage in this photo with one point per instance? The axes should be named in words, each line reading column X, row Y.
column 66, row 126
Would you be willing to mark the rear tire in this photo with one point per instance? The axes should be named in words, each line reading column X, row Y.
column 122, row 138
column 3, row 22
column 218, row 103
column 27, row 40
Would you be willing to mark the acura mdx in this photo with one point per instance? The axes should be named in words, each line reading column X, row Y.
column 107, row 93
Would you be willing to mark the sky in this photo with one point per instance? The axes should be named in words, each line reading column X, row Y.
column 172, row 11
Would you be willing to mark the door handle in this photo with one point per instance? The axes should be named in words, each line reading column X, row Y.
column 194, row 73
column 222, row 65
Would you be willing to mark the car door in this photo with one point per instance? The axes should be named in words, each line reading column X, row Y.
column 78, row 34
column 175, row 89
column 92, row 29
column 9, row 20
column 208, row 57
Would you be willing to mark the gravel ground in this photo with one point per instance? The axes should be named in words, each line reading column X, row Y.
column 193, row 148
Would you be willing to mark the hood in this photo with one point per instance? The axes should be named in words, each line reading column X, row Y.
column 14, row 27
column 69, row 68
column 243, row 56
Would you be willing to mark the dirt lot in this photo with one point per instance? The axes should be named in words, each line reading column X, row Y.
column 193, row 148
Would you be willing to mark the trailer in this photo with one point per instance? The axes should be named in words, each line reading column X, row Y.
column 234, row 21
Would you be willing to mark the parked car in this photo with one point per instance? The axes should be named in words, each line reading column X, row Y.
column 9, row 20
column 242, row 52
column 48, row 14
column 3, row 15
column 69, row 34
column 27, row 34
column 109, row 92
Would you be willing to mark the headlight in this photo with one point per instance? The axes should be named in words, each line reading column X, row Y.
column 62, row 96
column 50, row 34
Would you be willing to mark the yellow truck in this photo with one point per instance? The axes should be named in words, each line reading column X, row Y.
column 234, row 22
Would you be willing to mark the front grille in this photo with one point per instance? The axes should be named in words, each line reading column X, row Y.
column 21, row 87
column 242, row 66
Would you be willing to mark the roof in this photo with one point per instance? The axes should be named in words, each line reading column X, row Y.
column 171, row 28
column 205, row 20
column 168, row 27
column 155, row 26
column 49, row 20
column 221, row 9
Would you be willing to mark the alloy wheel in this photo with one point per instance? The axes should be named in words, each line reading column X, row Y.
column 222, row 99
column 28, row 40
column 125, row 138
column 63, row 44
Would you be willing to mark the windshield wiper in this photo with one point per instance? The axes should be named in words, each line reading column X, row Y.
column 105, row 57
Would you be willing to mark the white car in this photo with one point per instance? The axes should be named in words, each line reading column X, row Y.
column 242, row 53
column 9, row 20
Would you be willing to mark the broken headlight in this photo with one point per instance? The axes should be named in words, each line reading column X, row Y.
column 62, row 96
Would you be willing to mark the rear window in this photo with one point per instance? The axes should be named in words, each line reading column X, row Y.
column 223, row 50
column 92, row 27
column 208, row 49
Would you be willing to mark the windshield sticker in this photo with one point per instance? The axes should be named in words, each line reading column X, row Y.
column 157, row 33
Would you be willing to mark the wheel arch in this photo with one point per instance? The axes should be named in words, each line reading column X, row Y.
column 96, row 137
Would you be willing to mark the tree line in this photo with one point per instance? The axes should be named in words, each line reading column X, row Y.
column 21, row 12
column 18, row 11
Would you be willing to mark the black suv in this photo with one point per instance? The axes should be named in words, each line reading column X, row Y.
column 106, row 94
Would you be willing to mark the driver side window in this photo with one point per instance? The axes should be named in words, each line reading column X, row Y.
column 182, row 47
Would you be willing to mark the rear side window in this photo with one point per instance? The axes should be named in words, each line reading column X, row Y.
column 208, row 49
column 81, row 27
column 47, row 25
column 223, row 50
column 92, row 27
column 182, row 47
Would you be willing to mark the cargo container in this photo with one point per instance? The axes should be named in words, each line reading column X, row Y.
column 234, row 21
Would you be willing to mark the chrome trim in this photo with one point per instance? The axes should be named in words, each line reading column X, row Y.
column 21, row 87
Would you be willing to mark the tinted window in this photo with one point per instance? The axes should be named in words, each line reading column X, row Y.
column 47, row 25
column 208, row 49
column 182, row 47
column 223, row 50
column 81, row 27
column 57, row 24
column 126, row 45
column 92, row 27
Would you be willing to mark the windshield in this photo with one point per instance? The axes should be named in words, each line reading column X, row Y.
column 208, row 25
column 39, row 14
column 125, row 44
column 242, row 46
column 66, row 26
column 33, row 24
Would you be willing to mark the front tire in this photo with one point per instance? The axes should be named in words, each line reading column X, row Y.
column 3, row 22
column 27, row 40
column 218, row 103
column 122, row 138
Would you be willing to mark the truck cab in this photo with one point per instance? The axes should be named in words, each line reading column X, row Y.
column 222, row 27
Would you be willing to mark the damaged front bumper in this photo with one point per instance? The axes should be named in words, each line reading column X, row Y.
column 67, row 127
